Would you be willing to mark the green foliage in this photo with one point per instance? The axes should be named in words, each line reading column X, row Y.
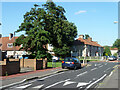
column 107, row 51
column 86, row 36
column 117, row 44
column 115, row 54
column 46, row 25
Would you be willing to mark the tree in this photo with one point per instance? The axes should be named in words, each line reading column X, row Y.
column 36, row 37
column 62, row 32
column 86, row 36
column 107, row 51
column 117, row 44
column 46, row 25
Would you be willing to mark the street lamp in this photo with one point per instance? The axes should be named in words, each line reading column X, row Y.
column 115, row 22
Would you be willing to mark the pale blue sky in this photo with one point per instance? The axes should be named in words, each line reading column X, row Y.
column 93, row 18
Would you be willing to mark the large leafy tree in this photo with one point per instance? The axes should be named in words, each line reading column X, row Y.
column 46, row 25
column 62, row 32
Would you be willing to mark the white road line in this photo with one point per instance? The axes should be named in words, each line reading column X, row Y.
column 94, row 69
column 50, row 76
column 82, row 84
column 105, row 63
column 46, row 77
column 100, row 66
column 94, row 78
column 68, row 82
column 110, row 74
column 25, row 86
column 39, row 86
column 55, row 84
column 106, row 69
column 95, row 82
column 13, row 84
column 82, row 73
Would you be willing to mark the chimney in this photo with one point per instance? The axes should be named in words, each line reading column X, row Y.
column 81, row 36
column 96, row 41
column 89, row 38
column 10, row 36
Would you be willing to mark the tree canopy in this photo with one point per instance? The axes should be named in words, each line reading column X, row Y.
column 46, row 25
column 107, row 51
column 117, row 44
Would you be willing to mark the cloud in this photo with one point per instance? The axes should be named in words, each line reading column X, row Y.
column 81, row 11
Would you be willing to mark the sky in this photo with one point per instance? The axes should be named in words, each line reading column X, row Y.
column 93, row 18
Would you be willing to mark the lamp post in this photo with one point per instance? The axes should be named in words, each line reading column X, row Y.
column 14, row 45
column 71, row 53
column 115, row 22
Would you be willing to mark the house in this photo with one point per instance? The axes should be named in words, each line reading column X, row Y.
column 113, row 50
column 8, row 49
column 86, row 47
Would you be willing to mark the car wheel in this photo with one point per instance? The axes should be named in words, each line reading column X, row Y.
column 75, row 67
column 63, row 67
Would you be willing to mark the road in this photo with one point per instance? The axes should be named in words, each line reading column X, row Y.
column 84, row 78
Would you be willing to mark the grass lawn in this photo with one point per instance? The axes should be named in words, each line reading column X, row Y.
column 55, row 64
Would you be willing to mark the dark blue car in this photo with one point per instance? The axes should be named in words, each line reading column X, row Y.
column 70, row 62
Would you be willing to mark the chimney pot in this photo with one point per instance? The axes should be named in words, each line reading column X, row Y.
column 89, row 38
column 10, row 36
column 81, row 36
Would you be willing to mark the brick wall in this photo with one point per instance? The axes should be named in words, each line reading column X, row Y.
column 12, row 66
column 36, row 64
column 8, row 67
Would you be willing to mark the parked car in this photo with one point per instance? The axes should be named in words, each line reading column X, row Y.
column 70, row 62
column 112, row 58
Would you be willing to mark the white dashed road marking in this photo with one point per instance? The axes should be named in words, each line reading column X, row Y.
column 93, row 69
column 25, row 86
column 81, row 74
column 68, row 82
column 55, row 84
column 39, row 86
column 81, row 84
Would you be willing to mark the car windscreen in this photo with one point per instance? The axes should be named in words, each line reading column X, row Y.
column 68, row 59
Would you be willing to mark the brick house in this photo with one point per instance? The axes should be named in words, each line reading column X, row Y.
column 86, row 47
column 8, row 49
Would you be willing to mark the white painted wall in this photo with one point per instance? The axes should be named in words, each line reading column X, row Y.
column 50, row 47
column 113, row 51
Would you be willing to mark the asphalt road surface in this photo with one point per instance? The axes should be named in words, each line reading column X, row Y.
column 84, row 78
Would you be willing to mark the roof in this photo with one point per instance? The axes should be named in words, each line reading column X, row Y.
column 113, row 48
column 88, row 42
column 4, row 41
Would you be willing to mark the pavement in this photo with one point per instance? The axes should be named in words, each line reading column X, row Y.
column 22, row 77
column 112, row 81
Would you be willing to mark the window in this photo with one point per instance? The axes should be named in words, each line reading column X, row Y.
column 10, row 45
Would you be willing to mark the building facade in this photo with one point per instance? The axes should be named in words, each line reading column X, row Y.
column 114, row 50
column 86, row 47
column 8, row 49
